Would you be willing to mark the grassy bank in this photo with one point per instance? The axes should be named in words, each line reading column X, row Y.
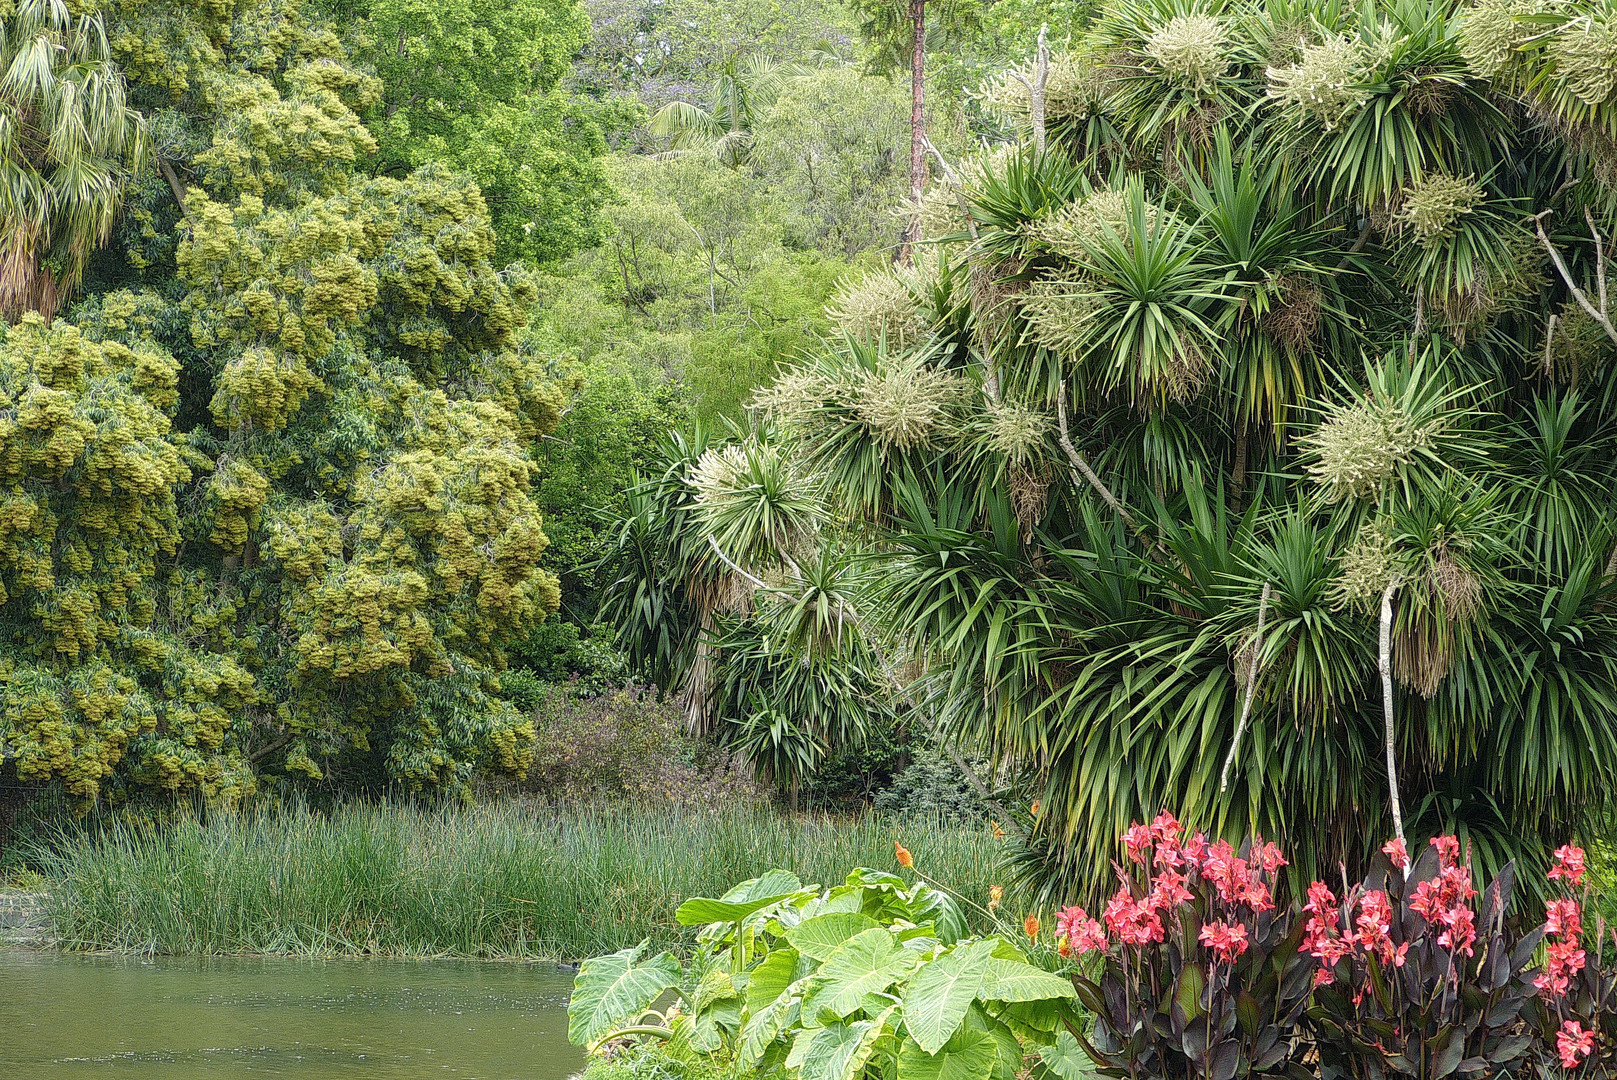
column 492, row 881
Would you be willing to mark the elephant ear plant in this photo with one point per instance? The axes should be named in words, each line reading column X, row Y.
column 874, row 974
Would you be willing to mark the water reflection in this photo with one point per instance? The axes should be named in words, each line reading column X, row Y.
column 65, row 1016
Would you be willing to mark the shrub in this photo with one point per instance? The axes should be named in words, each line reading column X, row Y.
column 933, row 786
column 1574, row 1015
column 876, row 975
column 1418, row 982
column 1202, row 976
column 627, row 745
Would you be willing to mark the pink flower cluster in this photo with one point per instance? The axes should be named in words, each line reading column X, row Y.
column 1077, row 933
column 1173, row 864
column 1444, row 900
column 1563, row 921
column 1322, row 937
column 1572, row 1042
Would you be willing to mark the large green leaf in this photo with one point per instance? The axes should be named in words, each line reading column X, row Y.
column 866, row 963
column 819, row 937
column 968, row 1055
column 839, row 1051
column 741, row 901
column 942, row 991
column 769, row 980
column 1008, row 980
column 611, row 991
column 766, row 1025
column 1066, row 1059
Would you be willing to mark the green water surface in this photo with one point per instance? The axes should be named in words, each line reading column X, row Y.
column 65, row 1017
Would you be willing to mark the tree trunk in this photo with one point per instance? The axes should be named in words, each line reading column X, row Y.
column 1386, row 705
column 25, row 285
column 1238, row 473
column 912, row 232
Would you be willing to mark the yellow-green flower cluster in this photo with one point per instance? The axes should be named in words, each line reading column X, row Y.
column 1365, row 570
column 881, row 305
column 1491, row 31
column 1584, row 52
column 1076, row 86
column 1326, row 82
column 1430, row 208
column 1192, row 50
column 1080, row 225
column 1017, row 431
column 1361, row 445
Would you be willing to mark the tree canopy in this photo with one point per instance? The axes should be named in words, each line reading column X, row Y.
column 271, row 489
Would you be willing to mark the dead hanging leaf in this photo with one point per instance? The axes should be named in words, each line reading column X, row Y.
column 1294, row 320
column 1030, row 495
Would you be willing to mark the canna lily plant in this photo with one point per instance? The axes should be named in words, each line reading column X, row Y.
column 1575, row 1012
column 1201, row 974
column 1413, row 980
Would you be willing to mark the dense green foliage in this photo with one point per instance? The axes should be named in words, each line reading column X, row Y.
column 269, row 485
column 874, row 976
column 69, row 143
column 497, row 881
column 1299, row 310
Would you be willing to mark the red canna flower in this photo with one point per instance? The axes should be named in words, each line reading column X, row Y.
column 1081, row 933
column 1270, row 857
column 1168, row 891
column 1396, row 851
column 1031, row 925
column 1138, row 840
column 1166, row 828
column 1574, row 1042
column 1568, row 864
column 1448, row 850
column 1563, row 918
column 1228, row 941
column 1563, row 959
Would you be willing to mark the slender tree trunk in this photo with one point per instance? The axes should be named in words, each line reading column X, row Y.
column 912, row 231
column 1256, row 648
column 1238, row 473
column 1386, row 705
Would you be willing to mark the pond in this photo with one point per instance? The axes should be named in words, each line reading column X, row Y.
column 64, row 1016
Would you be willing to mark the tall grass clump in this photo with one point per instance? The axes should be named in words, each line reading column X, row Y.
column 499, row 881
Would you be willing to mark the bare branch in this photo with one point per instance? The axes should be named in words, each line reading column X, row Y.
column 1385, row 666
column 1599, row 316
column 1080, row 466
column 173, row 185
column 1600, row 258
column 1358, row 246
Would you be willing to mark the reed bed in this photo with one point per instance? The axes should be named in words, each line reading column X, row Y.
column 504, row 880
